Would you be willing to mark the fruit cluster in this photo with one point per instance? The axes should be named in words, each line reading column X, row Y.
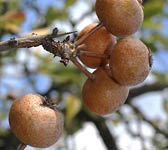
column 119, row 60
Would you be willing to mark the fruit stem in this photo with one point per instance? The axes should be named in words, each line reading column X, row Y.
column 150, row 58
column 80, row 47
column 21, row 146
column 92, row 54
column 82, row 68
column 83, row 38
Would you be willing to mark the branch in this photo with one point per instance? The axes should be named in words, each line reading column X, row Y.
column 83, row 38
column 106, row 135
column 33, row 41
column 65, row 49
column 145, row 89
column 157, row 129
column 142, row 90
column 100, row 124
column 21, row 147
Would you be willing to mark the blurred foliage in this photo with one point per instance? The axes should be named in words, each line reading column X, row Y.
column 11, row 21
column 20, row 69
column 71, row 113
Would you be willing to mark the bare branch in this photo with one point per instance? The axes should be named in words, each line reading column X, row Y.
column 144, row 118
column 145, row 89
column 107, row 137
column 33, row 41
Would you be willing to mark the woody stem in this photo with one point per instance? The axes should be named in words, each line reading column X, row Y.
column 21, row 146
column 83, row 38
column 92, row 54
column 82, row 68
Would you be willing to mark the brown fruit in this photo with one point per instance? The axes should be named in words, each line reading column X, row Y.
column 120, row 17
column 130, row 61
column 33, row 123
column 100, row 42
column 103, row 95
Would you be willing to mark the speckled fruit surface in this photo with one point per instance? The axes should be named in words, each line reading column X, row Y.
column 34, row 124
column 103, row 95
column 130, row 61
column 100, row 42
column 120, row 17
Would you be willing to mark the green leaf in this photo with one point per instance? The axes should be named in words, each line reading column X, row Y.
column 55, row 14
column 3, row 115
column 165, row 105
column 11, row 21
column 157, row 36
column 162, row 77
column 150, row 45
column 116, row 121
column 151, row 24
column 73, row 106
column 153, row 8
column 70, row 3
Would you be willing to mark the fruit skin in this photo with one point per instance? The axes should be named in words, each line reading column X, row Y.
column 34, row 124
column 120, row 17
column 103, row 95
column 100, row 42
column 130, row 61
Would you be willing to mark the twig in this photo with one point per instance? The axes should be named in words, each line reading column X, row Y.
column 107, row 137
column 21, row 147
column 65, row 49
column 91, row 54
column 83, row 69
column 141, row 137
column 82, row 52
column 138, row 111
column 83, row 38
column 145, row 89
column 33, row 41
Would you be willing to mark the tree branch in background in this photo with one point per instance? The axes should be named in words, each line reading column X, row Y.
column 106, row 135
column 144, row 118
column 145, row 89
column 21, row 147
column 101, row 126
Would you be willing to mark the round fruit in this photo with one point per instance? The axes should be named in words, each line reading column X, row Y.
column 103, row 95
column 120, row 17
column 130, row 61
column 100, row 42
column 33, row 123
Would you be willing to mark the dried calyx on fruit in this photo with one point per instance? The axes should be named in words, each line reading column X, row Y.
column 34, row 123
column 99, row 43
column 120, row 17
